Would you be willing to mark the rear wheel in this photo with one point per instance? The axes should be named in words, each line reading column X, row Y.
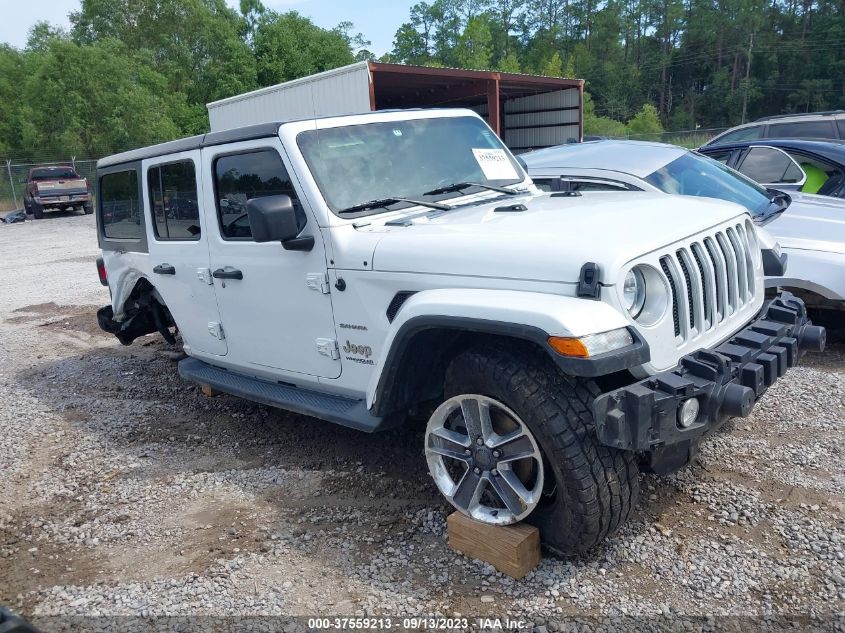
column 88, row 208
column 37, row 210
column 515, row 440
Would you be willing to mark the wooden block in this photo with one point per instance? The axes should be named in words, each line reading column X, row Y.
column 209, row 391
column 512, row 549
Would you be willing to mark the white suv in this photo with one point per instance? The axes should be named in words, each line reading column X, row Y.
column 363, row 268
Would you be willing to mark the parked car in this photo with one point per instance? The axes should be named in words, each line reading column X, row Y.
column 56, row 187
column 402, row 262
column 820, row 125
column 816, row 167
column 810, row 229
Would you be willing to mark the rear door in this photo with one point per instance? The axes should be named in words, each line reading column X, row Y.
column 178, row 246
column 772, row 167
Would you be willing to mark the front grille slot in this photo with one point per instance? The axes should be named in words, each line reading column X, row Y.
column 690, row 288
column 710, row 280
column 749, row 261
column 720, row 275
column 741, row 268
column 675, row 316
column 730, row 266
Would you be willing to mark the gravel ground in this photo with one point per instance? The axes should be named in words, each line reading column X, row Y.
column 128, row 493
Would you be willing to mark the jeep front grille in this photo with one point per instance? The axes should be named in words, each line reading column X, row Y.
column 709, row 281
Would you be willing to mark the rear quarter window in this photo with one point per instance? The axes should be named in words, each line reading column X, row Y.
column 802, row 129
column 120, row 208
column 745, row 134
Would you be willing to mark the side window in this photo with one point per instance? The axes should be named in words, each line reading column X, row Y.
column 120, row 208
column 745, row 134
column 802, row 129
column 840, row 123
column 173, row 201
column 722, row 157
column 770, row 166
column 241, row 177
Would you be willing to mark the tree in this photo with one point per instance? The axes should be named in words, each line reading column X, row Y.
column 474, row 45
column 553, row 66
column 409, row 45
column 600, row 126
column 41, row 35
column 289, row 46
column 91, row 100
column 646, row 124
column 198, row 45
column 509, row 64
column 251, row 10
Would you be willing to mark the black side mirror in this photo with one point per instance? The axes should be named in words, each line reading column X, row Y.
column 274, row 219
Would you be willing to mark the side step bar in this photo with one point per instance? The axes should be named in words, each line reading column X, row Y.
column 337, row 409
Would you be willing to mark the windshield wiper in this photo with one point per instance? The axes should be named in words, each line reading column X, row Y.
column 464, row 185
column 385, row 202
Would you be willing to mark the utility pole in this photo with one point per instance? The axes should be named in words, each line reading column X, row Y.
column 747, row 76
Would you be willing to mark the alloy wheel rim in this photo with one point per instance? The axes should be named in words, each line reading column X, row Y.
column 484, row 459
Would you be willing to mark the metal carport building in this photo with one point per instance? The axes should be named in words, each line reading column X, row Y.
column 526, row 111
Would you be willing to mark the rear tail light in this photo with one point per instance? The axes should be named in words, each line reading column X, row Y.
column 101, row 271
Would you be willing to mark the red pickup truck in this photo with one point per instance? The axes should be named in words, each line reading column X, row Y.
column 56, row 187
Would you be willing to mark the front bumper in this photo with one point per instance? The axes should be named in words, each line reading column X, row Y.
column 726, row 380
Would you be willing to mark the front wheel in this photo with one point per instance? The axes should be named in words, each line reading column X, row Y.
column 515, row 440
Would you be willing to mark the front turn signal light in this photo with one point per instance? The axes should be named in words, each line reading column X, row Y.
column 592, row 344
column 568, row 346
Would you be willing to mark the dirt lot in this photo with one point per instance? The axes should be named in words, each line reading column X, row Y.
column 127, row 492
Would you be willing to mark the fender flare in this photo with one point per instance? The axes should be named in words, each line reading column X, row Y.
column 527, row 316
column 123, row 287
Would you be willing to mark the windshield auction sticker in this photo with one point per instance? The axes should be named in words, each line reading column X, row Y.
column 495, row 164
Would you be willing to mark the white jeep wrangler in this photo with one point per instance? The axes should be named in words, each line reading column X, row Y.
column 367, row 269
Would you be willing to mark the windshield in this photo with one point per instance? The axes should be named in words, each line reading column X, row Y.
column 54, row 173
column 697, row 175
column 405, row 159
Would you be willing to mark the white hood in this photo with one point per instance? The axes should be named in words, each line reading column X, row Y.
column 549, row 241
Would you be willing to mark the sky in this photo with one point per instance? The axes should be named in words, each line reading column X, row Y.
column 376, row 19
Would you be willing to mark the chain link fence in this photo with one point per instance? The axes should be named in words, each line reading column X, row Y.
column 14, row 175
column 690, row 139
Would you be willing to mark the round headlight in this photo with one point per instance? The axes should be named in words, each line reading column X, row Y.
column 633, row 292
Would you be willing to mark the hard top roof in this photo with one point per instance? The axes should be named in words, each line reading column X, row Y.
column 248, row 133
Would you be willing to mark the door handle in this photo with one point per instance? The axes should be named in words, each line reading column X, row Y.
column 232, row 273
column 164, row 269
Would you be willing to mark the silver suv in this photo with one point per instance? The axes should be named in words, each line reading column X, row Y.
column 829, row 124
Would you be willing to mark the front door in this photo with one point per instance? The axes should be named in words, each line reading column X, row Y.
column 178, row 248
column 275, row 309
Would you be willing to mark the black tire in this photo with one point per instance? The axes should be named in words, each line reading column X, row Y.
column 37, row 211
column 26, row 208
column 88, row 208
column 594, row 488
